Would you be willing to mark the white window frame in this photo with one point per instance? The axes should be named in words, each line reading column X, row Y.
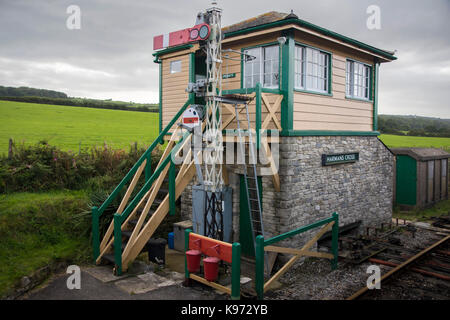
column 358, row 84
column 175, row 66
column 307, row 73
column 260, row 68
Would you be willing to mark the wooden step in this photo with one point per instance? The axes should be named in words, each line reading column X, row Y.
column 163, row 191
column 124, row 244
column 134, row 222
column 109, row 258
column 127, row 233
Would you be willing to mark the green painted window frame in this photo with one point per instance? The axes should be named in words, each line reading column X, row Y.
column 371, row 75
column 329, row 91
column 160, row 96
column 269, row 44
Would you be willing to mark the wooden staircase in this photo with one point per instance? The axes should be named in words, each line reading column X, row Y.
column 133, row 225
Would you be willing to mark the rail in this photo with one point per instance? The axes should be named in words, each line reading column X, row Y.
column 400, row 267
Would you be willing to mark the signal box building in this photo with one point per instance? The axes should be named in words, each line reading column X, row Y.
column 319, row 90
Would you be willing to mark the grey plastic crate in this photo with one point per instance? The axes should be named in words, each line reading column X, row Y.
column 178, row 234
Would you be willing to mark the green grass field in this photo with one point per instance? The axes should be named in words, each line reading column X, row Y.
column 70, row 127
column 40, row 229
column 394, row 141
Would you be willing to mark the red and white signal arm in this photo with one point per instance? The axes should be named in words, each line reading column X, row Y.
column 191, row 118
column 196, row 33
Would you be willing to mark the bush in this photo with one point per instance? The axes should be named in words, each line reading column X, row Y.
column 42, row 167
column 41, row 229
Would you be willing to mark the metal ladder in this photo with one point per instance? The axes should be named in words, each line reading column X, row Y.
column 251, row 179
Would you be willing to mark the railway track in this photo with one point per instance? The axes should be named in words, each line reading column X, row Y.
column 425, row 272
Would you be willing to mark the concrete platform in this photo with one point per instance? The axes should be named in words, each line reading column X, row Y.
column 104, row 274
column 94, row 289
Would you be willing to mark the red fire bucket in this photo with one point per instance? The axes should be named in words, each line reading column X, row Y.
column 193, row 260
column 211, row 266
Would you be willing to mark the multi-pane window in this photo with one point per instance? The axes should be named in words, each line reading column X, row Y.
column 357, row 84
column 264, row 68
column 311, row 69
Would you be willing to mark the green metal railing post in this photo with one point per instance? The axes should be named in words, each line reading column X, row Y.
column 186, row 248
column 118, row 243
column 95, row 232
column 334, row 244
column 236, row 271
column 375, row 96
column 172, row 188
column 259, row 272
column 148, row 167
column 294, row 232
column 258, row 115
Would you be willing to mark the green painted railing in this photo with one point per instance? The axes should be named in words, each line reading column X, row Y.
column 261, row 243
column 119, row 218
column 149, row 178
column 235, row 266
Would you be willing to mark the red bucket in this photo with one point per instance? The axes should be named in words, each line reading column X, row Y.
column 211, row 266
column 193, row 260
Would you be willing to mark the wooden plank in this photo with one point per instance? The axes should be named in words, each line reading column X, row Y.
column 160, row 213
column 280, row 272
column 227, row 121
column 305, row 125
column 209, row 283
column 273, row 167
column 291, row 261
column 131, row 187
column 334, row 118
column 311, row 98
column 272, row 110
column 299, row 252
column 317, row 236
column 151, row 199
column 133, row 213
column 131, row 216
column 329, row 110
column 124, row 201
column 209, row 247
column 232, row 138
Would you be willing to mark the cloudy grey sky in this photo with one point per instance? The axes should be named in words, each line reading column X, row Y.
column 111, row 55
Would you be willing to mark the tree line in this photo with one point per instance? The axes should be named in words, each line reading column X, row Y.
column 26, row 91
column 414, row 126
column 43, row 96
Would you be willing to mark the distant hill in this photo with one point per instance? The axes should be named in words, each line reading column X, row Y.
column 26, row 92
column 414, row 125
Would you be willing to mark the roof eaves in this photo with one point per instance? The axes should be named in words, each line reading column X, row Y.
column 314, row 27
column 172, row 49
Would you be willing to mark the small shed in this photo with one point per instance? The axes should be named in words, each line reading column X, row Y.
column 421, row 176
